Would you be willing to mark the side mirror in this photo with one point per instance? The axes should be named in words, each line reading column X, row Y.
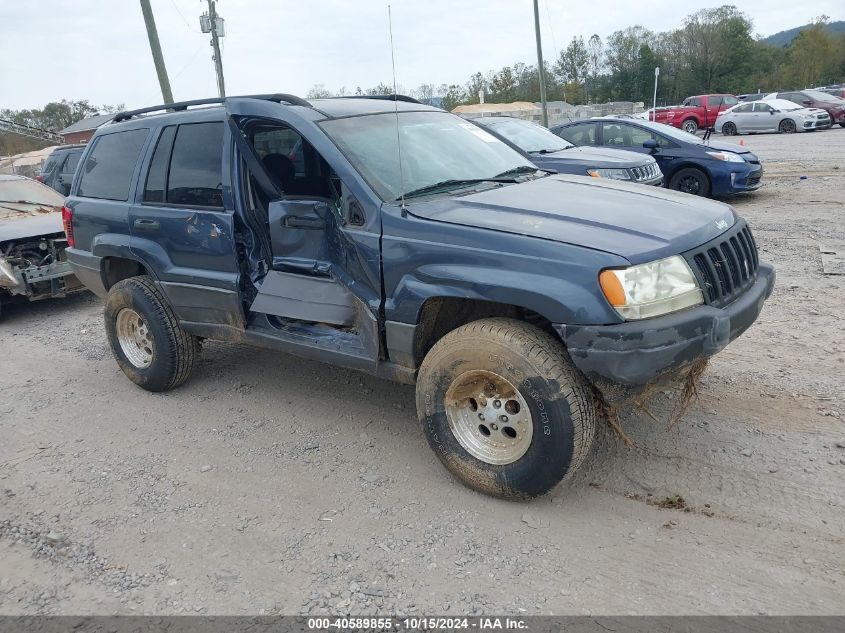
column 650, row 144
column 806, row 102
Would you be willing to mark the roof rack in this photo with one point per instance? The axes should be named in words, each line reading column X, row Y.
column 184, row 105
column 394, row 97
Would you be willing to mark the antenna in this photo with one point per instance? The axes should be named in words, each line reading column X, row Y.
column 396, row 110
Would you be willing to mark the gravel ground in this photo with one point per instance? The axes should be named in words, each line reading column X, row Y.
column 269, row 484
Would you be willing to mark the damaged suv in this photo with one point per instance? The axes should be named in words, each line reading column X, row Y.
column 32, row 242
column 391, row 237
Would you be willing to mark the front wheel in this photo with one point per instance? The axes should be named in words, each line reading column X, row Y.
column 729, row 129
column 787, row 126
column 842, row 125
column 690, row 126
column 145, row 337
column 504, row 409
column 691, row 180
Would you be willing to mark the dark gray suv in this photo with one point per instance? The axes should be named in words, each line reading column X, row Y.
column 394, row 238
column 60, row 167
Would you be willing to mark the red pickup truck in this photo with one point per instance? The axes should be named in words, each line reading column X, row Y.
column 696, row 112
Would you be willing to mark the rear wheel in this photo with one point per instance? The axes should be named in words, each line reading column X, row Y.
column 145, row 337
column 787, row 126
column 691, row 180
column 690, row 126
column 504, row 409
column 842, row 125
column 729, row 129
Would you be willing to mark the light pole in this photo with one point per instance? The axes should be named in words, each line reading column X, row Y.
column 541, row 69
column 654, row 103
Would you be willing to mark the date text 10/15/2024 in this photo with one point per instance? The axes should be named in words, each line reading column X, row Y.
column 416, row 622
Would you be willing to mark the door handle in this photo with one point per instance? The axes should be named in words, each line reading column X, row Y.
column 299, row 222
column 143, row 224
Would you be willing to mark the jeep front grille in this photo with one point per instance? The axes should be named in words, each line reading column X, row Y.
column 645, row 172
column 727, row 266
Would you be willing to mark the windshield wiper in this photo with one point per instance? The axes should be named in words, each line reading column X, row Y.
column 551, row 151
column 445, row 185
column 522, row 169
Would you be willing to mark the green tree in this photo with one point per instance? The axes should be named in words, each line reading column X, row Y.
column 572, row 67
column 718, row 43
column 812, row 56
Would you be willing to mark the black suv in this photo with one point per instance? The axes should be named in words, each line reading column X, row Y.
column 397, row 239
column 59, row 168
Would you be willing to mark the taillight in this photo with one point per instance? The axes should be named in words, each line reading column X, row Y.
column 67, row 221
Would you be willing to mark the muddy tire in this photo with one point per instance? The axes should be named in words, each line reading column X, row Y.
column 504, row 409
column 145, row 337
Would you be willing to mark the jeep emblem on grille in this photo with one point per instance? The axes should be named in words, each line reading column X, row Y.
column 721, row 225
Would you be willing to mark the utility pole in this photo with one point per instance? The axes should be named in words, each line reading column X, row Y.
column 155, row 47
column 212, row 23
column 654, row 111
column 541, row 69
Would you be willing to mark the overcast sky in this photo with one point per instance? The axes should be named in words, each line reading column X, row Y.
column 98, row 49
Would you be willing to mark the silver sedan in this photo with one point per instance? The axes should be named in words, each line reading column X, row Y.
column 776, row 115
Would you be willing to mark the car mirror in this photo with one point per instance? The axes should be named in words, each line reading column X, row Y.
column 772, row 111
column 806, row 102
column 650, row 144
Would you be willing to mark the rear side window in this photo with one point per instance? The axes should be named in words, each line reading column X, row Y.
column 107, row 172
column 186, row 168
column 157, row 176
column 196, row 166
column 579, row 134
column 71, row 162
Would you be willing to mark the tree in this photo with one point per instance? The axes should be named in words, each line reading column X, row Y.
column 58, row 115
column 318, row 91
column 812, row 56
column 572, row 67
column 453, row 96
column 425, row 93
column 595, row 64
column 503, row 86
column 623, row 61
column 718, row 42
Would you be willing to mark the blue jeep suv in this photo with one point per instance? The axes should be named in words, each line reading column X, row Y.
column 391, row 237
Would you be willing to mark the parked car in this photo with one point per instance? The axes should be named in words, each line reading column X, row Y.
column 836, row 91
column 753, row 96
column 32, row 242
column 834, row 106
column 688, row 163
column 60, row 166
column 415, row 247
column 777, row 115
column 696, row 112
column 548, row 151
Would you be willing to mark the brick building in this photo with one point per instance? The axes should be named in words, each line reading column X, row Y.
column 82, row 131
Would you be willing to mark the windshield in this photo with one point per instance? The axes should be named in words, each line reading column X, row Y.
column 436, row 147
column 528, row 136
column 822, row 96
column 20, row 189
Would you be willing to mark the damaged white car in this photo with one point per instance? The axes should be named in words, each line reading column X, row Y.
column 32, row 242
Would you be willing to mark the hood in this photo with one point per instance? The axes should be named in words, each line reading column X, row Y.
column 26, row 226
column 639, row 223
column 590, row 157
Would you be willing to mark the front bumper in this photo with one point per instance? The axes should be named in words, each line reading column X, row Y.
column 634, row 354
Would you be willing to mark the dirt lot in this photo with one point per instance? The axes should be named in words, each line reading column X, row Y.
column 269, row 484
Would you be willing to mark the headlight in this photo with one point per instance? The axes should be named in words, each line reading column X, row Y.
column 729, row 157
column 615, row 174
column 652, row 289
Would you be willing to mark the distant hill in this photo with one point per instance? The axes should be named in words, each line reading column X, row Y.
column 785, row 37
